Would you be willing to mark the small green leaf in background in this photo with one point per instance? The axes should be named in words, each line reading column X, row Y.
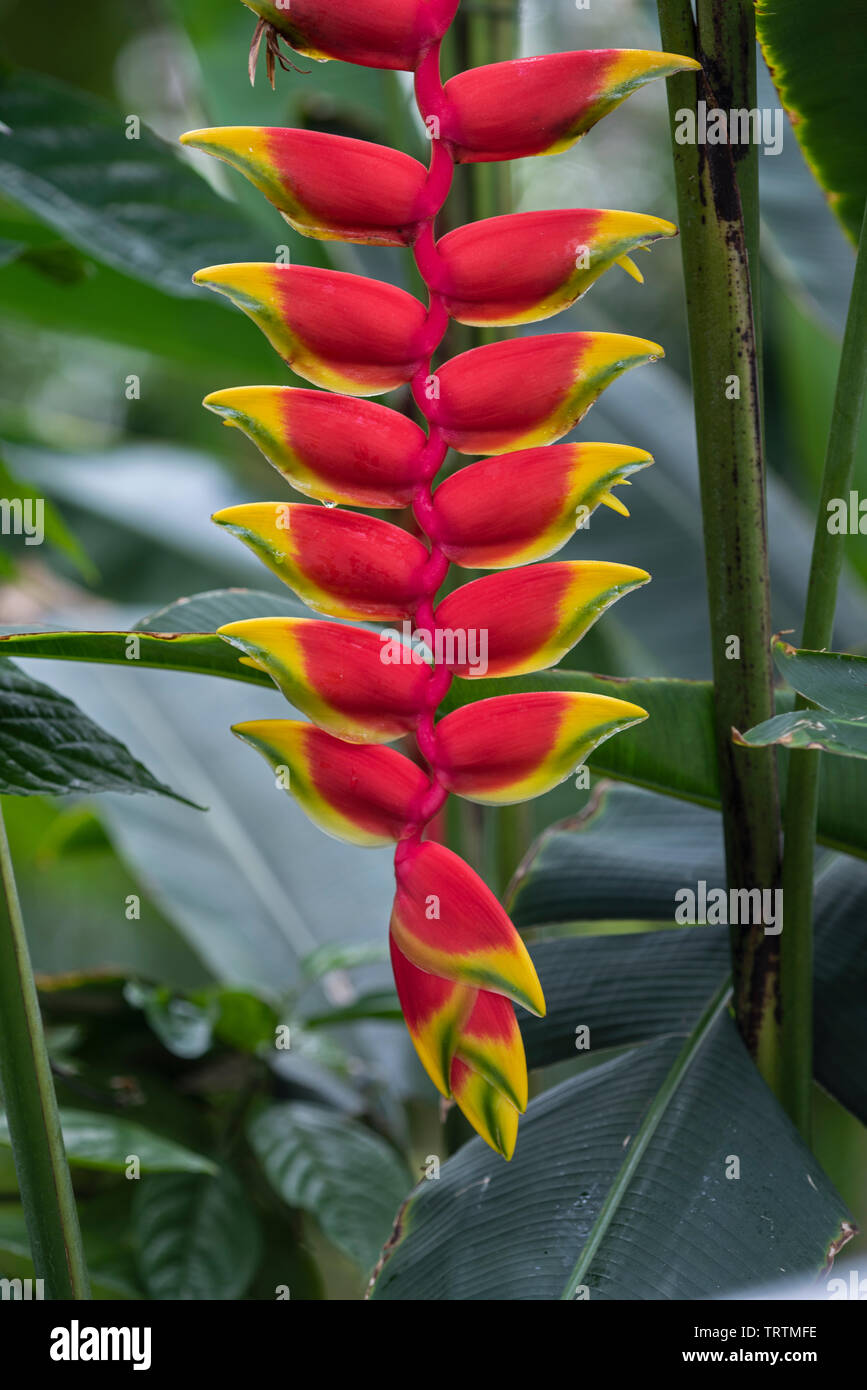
column 345, row 1176
column 49, row 746
column 184, row 1028
column 196, row 1236
column 57, row 533
column 189, row 1025
column 834, row 680
column 341, row 955
column 826, row 733
column 107, row 1142
column 820, row 72
column 382, row 1004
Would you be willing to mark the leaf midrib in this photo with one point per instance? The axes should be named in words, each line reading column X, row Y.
column 648, row 1127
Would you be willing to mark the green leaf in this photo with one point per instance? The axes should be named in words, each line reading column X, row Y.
column 244, row 1021
column 631, row 856
column 636, row 1205
column 129, row 202
column 112, row 308
column 107, row 1142
column 344, row 955
column 820, row 78
column 840, row 987
column 834, row 680
column 179, row 637
column 382, row 1004
column 197, row 1236
column 186, row 1029
column 75, row 904
column 252, row 886
column 672, row 752
column 621, row 859
column 808, row 729
column 57, row 534
column 348, row 1178
column 49, row 746
column 103, row 1227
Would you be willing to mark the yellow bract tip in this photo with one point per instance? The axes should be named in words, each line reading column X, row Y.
column 627, row 263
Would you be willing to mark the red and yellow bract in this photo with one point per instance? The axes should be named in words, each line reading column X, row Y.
column 459, row 964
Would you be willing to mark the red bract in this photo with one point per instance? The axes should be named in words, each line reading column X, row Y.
column 374, row 33
column 459, row 964
column 543, row 105
column 373, row 193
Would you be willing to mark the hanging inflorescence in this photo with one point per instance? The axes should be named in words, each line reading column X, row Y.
column 459, row 964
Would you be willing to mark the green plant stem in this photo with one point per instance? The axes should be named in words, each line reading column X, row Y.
column 734, row 87
column 802, row 790
column 31, row 1108
column 724, row 359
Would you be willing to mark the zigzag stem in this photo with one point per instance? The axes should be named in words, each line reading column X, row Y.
column 431, row 99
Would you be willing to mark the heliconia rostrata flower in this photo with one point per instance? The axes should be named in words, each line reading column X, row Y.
column 459, row 964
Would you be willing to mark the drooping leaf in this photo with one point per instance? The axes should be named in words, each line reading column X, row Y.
column 49, row 746
column 348, row 1178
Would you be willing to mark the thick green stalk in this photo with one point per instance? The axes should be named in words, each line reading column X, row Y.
column 725, row 378
column 31, row 1108
column 802, row 791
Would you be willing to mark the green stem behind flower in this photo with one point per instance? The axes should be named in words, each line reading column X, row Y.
column 802, row 795
column 713, row 184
